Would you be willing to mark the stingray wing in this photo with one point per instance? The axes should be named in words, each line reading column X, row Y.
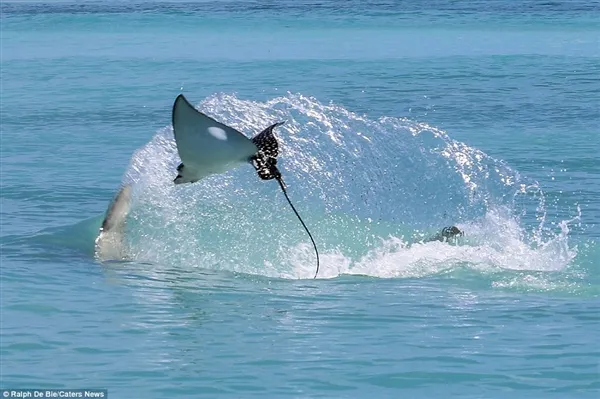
column 205, row 145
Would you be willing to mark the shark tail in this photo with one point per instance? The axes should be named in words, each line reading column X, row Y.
column 265, row 160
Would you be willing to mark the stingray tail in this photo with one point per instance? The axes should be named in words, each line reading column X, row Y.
column 265, row 160
column 265, row 163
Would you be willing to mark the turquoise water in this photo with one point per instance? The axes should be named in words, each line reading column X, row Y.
column 402, row 118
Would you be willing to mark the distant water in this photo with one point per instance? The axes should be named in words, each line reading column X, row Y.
column 402, row 118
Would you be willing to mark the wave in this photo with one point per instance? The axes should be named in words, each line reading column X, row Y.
column 369, row 190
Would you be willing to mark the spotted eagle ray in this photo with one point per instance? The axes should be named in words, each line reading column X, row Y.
column 207, row 147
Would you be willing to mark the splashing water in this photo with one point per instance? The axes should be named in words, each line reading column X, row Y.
column 368, row 189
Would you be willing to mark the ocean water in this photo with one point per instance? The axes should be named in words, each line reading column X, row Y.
column 402, row 118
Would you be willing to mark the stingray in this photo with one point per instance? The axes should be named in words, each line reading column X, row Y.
column 207, row 147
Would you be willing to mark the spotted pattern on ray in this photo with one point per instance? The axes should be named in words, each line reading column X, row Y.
column 265, row 160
